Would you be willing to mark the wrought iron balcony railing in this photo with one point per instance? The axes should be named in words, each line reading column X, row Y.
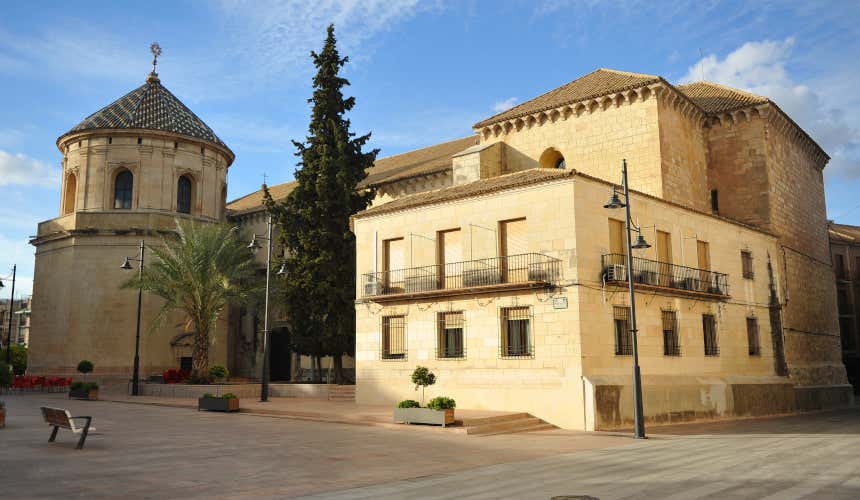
column 652, row 273
column 524, row 269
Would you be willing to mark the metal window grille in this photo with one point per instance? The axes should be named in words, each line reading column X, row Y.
column 709, row 329
column 393, row 337
column 623, row 334
column 516, row 332
column 747, row 264
column 752, row 337
column 451, row 341
column 671, row 342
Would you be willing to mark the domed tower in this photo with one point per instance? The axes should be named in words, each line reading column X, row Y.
column 129, row 171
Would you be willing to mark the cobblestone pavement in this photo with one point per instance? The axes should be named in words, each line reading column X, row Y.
column 143, row 451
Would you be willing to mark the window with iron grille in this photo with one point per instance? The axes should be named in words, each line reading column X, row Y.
column 516, row 332
column 623, row 335
column 393, row 337
column 450, row 343
column 671, row 342
column 709, row 329
column 747, row 264
column 752, row 337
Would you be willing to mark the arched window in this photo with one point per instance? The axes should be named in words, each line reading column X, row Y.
column 70, row 193
column 551, row 158
column 183, row 195
column 122, row 188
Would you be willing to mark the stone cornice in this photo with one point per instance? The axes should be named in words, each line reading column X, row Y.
column 69, row 138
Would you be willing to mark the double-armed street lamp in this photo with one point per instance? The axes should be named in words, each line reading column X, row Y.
column 254, row 246
column 135, row 380
column 11, row 310
column 639, row 244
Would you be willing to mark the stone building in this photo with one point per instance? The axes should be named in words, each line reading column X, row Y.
column 491, row 260
column 129, row 171
column 845, row 251
column 20, row 321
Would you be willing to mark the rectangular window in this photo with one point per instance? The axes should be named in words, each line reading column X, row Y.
column 623, row 335
column 393, row 264
column 715, row 201
column 752, row 337
column 450, row 337
column 847, row 333
column 747, row 264
column 516, row 332
column 671, row 342
column 449, row 255
column 839, row 266
column 393, row 337
column 703, row 256
column 709, row 329
column 513, row 243
column 617, row 240
column 664, row 257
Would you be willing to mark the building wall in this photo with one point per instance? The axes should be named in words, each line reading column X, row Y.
column 20, row 321
column 848, row 303
column 595, row 141
column 574, row 362
column 683, row 154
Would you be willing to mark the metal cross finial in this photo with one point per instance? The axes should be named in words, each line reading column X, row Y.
column 264, row 178
column 156, row 51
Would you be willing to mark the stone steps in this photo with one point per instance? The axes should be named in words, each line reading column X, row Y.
column 341, row 393
column 505, row 424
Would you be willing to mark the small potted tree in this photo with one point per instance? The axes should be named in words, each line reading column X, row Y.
column 84, row 390
column 440, row 410
column 218, row 373
column 211, row 402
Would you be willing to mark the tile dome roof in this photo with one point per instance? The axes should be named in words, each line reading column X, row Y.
column 151, row 107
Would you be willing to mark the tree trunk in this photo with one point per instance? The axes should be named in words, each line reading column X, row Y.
column 339, row 374
column 317, row 361
column 200, row 356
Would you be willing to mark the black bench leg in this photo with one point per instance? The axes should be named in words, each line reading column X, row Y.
column 80, row 445
column 53, row 434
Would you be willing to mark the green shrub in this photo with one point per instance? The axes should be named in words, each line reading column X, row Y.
column 422, row 377
column 408, row 403
column 6, row 376
column 209, row 395
column 219, row 372
column 85, row 366
column 83, row 386
column 229, row 395
column 18, row 358
column 198, row 380
column 441, row 403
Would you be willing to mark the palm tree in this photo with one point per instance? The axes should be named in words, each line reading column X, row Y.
column 199, row 271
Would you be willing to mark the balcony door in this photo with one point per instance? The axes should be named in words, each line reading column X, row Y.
column 513, row 247
column 449, row 258
column 664, row 257
column 393, row 264
column 704, row 259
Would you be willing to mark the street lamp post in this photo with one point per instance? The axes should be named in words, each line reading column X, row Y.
column 11, row 310
column 254, row 246
column 135, row 380
column 614, row 202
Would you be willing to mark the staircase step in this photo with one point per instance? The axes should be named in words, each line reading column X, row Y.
column 471, row 422
column 509, row 426
column 538, row 427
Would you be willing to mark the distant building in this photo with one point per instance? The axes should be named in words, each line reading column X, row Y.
column 845, row 249
column 20, row 321
column 491, row 260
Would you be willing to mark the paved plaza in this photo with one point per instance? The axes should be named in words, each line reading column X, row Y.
column 147, row 451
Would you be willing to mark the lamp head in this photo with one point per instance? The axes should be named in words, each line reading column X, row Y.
column 614, row 201
column 126, row 265
column 640, row 243
column 283, row 270
column 253, row 245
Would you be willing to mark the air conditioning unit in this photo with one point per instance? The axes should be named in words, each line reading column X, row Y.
column 616, row 272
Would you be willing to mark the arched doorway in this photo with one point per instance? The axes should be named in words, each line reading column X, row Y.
column 280, row 355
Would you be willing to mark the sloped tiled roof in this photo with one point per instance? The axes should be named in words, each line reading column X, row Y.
column 597, row 83
column 424, row 161
column 475, row 188
column 844, row 233
column 716, row 98
column 150, row 107
column 253, row 201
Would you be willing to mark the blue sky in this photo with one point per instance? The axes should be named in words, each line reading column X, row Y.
column 422, row 72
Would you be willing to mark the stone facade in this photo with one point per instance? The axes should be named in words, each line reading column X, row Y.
column 845, row 249
column 724, row 176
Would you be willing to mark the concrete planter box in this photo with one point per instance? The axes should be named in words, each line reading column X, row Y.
column 424, row 416
column 91, row 395
column 218, row 404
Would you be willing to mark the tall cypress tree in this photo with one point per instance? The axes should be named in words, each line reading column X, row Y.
column 319, row 291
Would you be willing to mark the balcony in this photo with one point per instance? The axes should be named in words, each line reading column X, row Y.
column 524, row 271
column 665, row 277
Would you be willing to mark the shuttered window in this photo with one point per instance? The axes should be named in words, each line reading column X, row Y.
column 617, row 242
column 393, row 337
column 709, row 331
column 623, row 334
column 516, row 332
column 752, row 337
column 747, row 264
column 671, row 342
column 450, row 336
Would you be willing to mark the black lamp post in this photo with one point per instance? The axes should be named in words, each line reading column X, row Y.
column 254, row 246
column 135, row 380
column 615, row 202
column 11, row 310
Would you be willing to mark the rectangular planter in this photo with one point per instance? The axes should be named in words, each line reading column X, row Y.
column 424, row 416
column 218, row 404
column 92, row 395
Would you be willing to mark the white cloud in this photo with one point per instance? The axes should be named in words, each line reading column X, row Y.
column 21, row 169
column 504, row 105
column 762, row 68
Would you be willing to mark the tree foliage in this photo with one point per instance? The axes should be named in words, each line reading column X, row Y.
column 319, row 291
column 199, row 272
column 18, row 357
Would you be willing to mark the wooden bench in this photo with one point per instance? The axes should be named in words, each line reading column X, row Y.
column 58, row 417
